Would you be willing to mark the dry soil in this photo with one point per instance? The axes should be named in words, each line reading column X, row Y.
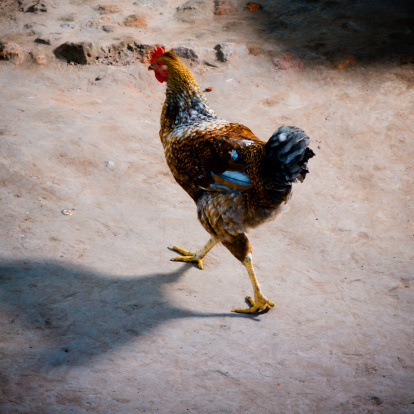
column 95, row 318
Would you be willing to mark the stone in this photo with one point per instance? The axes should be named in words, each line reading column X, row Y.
column 191, row 10
column 254, row 50
column 212, row 65
column 135, row 20
column 12, row 52
column 185, row 52
column 94, row 24
column 153, row 4
column 224, row 7
column 122, row 54
column 39, row 58
column 108, row 9
column 80, row 53
column 43, row 40
column 223, row 51
column 192, row 5
column 108, row 29
column 34, row 6
column 253, row 7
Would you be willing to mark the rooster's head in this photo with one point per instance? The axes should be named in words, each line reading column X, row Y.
column 157, row 65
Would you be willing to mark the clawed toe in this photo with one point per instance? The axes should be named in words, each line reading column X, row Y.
column 187, row 256
column 182, row 251
column 260, row 305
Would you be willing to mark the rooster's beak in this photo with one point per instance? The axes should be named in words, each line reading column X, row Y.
column 150, row 67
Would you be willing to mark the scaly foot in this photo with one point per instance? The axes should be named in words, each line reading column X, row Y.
column 260, row 304
column 187, row 256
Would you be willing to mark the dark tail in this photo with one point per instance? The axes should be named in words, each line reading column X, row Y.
column 286, row 156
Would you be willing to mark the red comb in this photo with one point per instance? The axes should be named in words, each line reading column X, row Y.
column 158, row 51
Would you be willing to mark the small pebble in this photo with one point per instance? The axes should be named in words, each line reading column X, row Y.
column 107, row 29
column 210, row 64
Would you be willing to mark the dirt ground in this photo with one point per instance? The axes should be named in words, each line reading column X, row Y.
column 95, row 318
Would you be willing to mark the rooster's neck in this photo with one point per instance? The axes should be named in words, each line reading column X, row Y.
column 188, row 104
column 185, row 103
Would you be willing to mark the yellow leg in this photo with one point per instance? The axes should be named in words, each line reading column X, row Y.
column 194, row 256
column 259, row 302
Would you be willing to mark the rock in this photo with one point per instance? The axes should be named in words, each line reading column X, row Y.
column 12, row 52
column 192, row 5
column 223, row 51
column 191, row 10
column 108, row 29
column 34, row 6
column 224, row 7
column 123, row 54
column 108, row 9
column 376, row 400
column 254, row 50
column 80, row 53
column 185, row 52
column 43, row 40
column 39, row 58
column 135, row 20
column 252, row 7
column 153, row 4
column 206, row 62
column 94, row 24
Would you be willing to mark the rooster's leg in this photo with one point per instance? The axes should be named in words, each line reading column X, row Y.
column 260, row 302
column 241, row 249
column 194, row 256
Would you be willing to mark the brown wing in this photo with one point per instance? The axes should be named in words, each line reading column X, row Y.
column 214, row 160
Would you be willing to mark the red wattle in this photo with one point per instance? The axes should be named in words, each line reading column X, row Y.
column 160, row 78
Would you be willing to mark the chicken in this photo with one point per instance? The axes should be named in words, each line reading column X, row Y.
column 236, row 180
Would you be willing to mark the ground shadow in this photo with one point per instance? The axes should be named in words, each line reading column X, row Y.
column 331, row 31
column 82, row 313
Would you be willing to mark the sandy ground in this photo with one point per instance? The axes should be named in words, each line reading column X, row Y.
column 95, row 318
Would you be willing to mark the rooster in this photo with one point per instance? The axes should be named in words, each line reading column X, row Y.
column 236, row 180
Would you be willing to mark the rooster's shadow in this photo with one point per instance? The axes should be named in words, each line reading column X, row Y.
column 84, row 313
